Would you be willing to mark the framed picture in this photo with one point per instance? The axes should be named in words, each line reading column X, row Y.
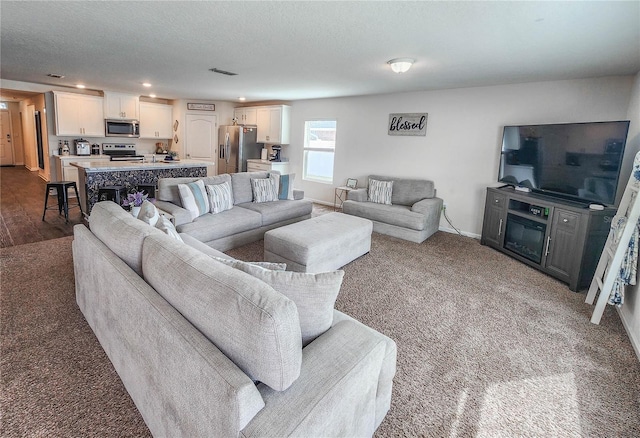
column 352, row 183
column 201, row 106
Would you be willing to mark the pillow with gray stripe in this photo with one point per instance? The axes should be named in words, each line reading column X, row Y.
column 264, row 190
column 220, row 197
column 194, row 198
column 380, row 191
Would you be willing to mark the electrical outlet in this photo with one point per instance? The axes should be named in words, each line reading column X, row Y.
column 444, row 205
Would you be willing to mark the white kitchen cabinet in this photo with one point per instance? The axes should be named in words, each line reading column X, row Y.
column 155, row 120
column 121, row 106
column 246, row 116
column 274, row 124
column 78, row 114
column 268, row 166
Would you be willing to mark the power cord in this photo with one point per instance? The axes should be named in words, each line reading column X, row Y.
column 444, row 212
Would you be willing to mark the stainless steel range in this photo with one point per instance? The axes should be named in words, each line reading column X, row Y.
column 121, row 152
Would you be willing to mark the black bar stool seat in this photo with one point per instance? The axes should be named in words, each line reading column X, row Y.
column 62, row 190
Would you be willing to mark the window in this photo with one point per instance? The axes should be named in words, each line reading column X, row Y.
column 319, row 150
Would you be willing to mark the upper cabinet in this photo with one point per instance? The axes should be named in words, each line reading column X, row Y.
column 274, row 124
column 246, row 116
column 78, row 114
column 155, row 120
column 121, row 106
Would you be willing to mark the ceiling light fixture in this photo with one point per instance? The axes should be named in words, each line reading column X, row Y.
column 401, row 65
column 80, row 86
column 146, row 84
column 153, row 96
column 242, row 99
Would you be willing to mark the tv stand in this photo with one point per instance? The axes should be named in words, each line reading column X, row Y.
column 559, row 237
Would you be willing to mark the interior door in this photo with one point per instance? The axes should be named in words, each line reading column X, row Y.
column 6, row 138
column 201, row 138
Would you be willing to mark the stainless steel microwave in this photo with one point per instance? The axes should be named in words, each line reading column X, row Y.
column 121, row 128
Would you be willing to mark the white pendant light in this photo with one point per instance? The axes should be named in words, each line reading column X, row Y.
column 401, row 65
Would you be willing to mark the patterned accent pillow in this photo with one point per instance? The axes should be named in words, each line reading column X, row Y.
column 194, row 198
column 220, row 197
column 167, row 227
column 380, row 191
column 264, row 190
column 286, row 186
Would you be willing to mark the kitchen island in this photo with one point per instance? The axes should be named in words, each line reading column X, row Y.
column 94, row 175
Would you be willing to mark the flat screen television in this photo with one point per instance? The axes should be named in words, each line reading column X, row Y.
column 576, row 161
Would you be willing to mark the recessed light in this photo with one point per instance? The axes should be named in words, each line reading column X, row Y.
column 80, row 86
column 146, row 84
column 242, row 98
column 152, row 96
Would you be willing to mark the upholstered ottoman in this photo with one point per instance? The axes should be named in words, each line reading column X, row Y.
column 320, row 244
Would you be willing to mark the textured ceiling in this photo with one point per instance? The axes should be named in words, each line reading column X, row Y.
column 301, row 50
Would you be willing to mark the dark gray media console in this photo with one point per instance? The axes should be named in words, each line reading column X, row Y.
column 561, row 238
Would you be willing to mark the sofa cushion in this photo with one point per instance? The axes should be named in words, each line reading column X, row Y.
column 398, row 215
column 220, row 197
column 194, row 198
column 380, row 191
column 168, row 228
column 121, row 232
column 264, row 190
column 241, row 185
column 408, row 191
column 210, row 227
column 277, row 211
column 314, row 294
column 252, row 324
column 168, row 187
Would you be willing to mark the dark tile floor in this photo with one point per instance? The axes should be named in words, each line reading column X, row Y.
column 22, row 196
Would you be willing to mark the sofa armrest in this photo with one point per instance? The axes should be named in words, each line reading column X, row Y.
column 181, row 215
column 428, row 206
column 357, row 195
column 298, row 194
column 339, row 375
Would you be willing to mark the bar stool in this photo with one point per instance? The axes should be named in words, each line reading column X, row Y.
column 149, row 189
column 62, row 188
column 116, row 194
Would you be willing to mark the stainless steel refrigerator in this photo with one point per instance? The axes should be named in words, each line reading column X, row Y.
column 237, row 144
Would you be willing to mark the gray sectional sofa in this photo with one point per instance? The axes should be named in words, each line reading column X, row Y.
column 246, row 222
column 208, row 350
column 414, row 213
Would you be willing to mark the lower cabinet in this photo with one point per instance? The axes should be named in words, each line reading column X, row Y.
column 268, row 166
column 561, row 238
column 66, row 172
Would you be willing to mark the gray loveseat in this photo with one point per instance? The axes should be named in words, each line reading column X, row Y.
column 246, row 222
column 414, row 213
column 207, row 350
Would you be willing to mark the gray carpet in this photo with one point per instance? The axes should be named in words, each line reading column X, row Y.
column 486, row 347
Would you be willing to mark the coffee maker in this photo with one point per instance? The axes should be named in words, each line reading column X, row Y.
column 82, row 147
column 275, row 154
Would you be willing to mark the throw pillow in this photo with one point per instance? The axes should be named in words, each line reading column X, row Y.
column 220, row 197
column 314, row 295
column 194, row 198
column 286, row 186
column 264, row 190
column 167, row 227
column 380, row 191
column 148, row 213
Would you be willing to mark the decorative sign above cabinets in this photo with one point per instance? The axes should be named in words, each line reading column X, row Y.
column 201, row 106
column 413, row 124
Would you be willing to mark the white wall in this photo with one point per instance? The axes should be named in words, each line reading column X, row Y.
column 630, row 311
column 461, row 149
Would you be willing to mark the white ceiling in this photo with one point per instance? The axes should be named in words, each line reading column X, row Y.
column 301, row 50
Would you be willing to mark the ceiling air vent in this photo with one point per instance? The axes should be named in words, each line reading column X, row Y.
column 222, row 72
column 53, row 75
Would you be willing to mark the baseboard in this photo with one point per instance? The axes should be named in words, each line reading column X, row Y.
column 633, row 337
column 317, row 201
